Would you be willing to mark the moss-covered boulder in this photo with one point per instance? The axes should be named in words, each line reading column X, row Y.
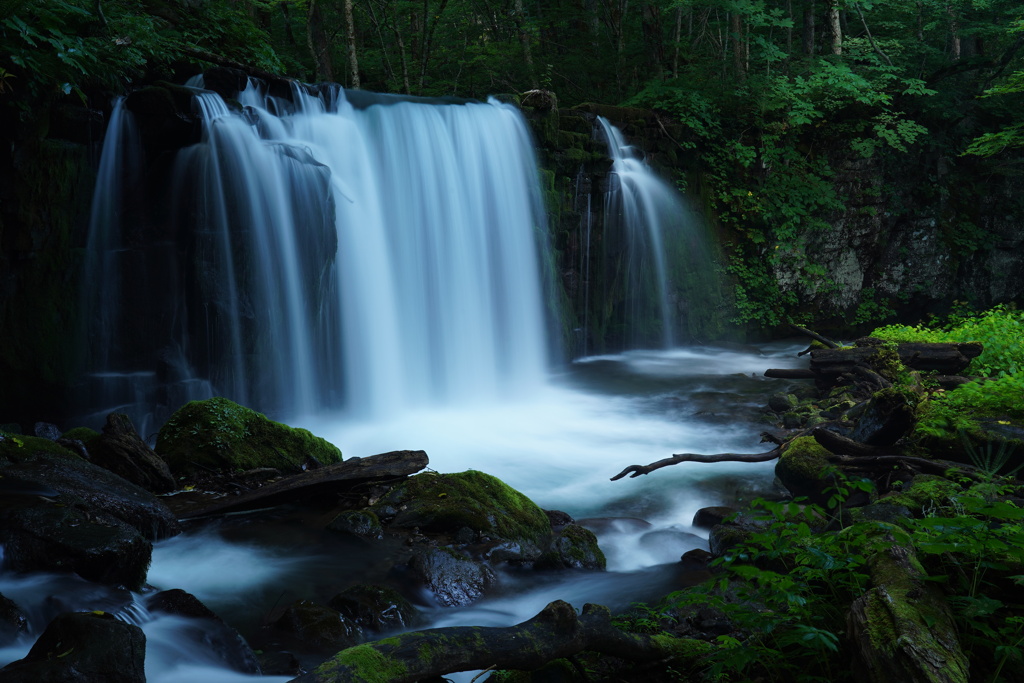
column 574, row 547
column 804, row 469
column 925, row 492
column 218, row 435
column 448, row 504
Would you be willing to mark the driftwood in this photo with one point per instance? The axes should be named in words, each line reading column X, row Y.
column 556, row 632
column 637, row 470
column 329, row 479
column 814, row 335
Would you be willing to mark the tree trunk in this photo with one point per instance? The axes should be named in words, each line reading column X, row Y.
column 954, row 33
column 738, row 57
column 809, row 27
column 834, row 27
column 319, row 47
column 525, row 42
column 353, row 60
column 555, row 633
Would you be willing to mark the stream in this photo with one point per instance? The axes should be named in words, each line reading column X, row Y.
column 559, row 446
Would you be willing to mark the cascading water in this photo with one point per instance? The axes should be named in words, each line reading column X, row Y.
column 654, row 249
column 375, row 258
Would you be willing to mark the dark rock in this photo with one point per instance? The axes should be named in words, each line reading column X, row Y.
column 574, row 547
column 887, row 418
column 57, row 537
column 361, row 523
column 279, row 663
column 882, row 512
column 453, row 578
column 13, row 621
column 318, row 627
column 375, row 608
column 92, row 488
column 696, row 559
column 209, row 630
column 559, row 519
column 705, row 518
column 45, row 430
column 781, row 403
column 83, row 648
column 121, row 450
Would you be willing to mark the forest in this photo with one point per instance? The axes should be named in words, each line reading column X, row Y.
column 859, row 163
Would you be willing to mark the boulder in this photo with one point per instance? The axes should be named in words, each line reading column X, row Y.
column 360, row 523
column 804, row 469
column 88, row 647
column 317, row 627
column 218, row 435
column 375, row 608
column 208, row 630
column 121, row 450
column 449, row 503
column 13, row 621
column 574, row 547
column 453, row 577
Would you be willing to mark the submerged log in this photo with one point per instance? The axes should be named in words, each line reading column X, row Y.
column 329, row 479
column 556, row 632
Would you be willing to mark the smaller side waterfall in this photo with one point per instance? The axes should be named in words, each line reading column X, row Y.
column 656, row 256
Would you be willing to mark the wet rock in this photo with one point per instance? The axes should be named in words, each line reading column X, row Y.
column 92, row 488
column 454, row 578
column 559, row 519
column 218, row 435
column 447, row 503
column 375, row 608
column 705, row 518
column 83, row 648
column 574, row 547
column 121, row 450
column 318, row 627
column 45, row 430
column 208, row 629
column 13, row 621
column 57, row 537
column 361, row 523
column 781, row 403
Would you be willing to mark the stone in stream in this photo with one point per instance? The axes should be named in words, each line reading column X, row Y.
column 83, row 647
column 375, row 608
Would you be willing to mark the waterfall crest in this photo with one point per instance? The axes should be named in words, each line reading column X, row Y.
column 323, row 255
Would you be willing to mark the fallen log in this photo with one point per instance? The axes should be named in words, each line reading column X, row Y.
column 841, row 445
column 637, row 470
column 790, row 373
column 329, row 479
column 556, row 632
column 947, row 358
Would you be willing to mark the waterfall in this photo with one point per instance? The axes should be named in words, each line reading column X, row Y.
column 655, row 250
column 375, row 257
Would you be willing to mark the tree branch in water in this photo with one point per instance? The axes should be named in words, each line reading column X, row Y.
column 637, row 470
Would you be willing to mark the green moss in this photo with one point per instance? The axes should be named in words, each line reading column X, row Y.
column 449, row 502
column 19, row 447
column 363, row 663
column 804, row 468
column 926, row 491
column 220, row 435
column 83, row 434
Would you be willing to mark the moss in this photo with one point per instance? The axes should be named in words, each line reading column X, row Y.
column 220, row 435
column 926, row 491
column 804, row 468
column 362, row 662
column 446, row 503
column 19, row 448
column 83, row 434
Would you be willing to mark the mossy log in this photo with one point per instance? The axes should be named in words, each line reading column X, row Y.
column 556, row 632
column 949, row 359
column 902, row 630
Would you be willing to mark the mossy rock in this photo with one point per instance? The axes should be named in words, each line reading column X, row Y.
column 218, row 435
column 448, row 503
column 83, row 434
column 926, row 492
column 360, row 523
column 19, row 448
column 804, row 469
column 574, row 547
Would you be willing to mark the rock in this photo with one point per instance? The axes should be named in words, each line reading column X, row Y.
column 375, row 608
column 208, row 630
column 447, row 503
column 361, row 523
column 705, row 518
column 454, row 578
column 45, row 430
column 803, row 468
column 218, row 435
column 13, row 621
column 59, row 537
column 92, row 488
column 84, row 647
column 318, row 627
column 121, row 450
column 781, row 403
column 574, row 547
